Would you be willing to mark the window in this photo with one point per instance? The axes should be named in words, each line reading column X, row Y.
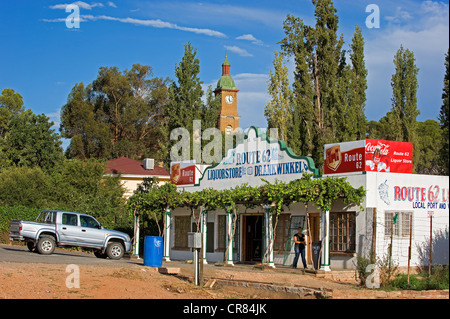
column 401, row 227
column 89, row 222
column 342, row 232
column 281, row 233
column 46, row 217
column 222, row 242
column 69, row 219
column 182, row 227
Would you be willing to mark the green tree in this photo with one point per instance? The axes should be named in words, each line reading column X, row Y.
column 401, row 123
column 185, row 95
column 428, row 147
column 10, row 103
column 443, row 119
column 185, row 102
column 32, row 142
column 89, row 135
column 81, row 185
column 404, row 98
column 358, row 85
column 118, row 114
column 26, row 186
column 328, row 94
column 296, row 44
column 278, row 111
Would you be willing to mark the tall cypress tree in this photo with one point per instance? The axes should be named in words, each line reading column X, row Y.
column 328, row 95
column 443, row 119
column 400, row 122
column 404, row 100
column 278, row 111
column 185, row 95
column 358, row 85
column 296, row 44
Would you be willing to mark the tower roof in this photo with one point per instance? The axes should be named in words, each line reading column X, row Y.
column 226, row 60
column 226, row 81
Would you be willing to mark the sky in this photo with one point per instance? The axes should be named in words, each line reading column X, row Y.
column 44, row 52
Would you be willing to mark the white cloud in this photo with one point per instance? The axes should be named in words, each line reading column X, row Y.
column 146, row 22
column 81, row 4
column 112, row 4
column 400, row 15
column 238, row 50
column 251, row 38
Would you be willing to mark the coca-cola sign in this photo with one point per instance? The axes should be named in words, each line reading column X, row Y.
column 369, row 155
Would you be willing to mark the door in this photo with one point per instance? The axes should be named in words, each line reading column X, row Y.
column 210, row 237
column 68, row 230
column 91, row 232
column 313, row 233
column 253, row 238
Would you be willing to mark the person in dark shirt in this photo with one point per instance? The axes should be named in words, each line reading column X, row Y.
column 299, row 248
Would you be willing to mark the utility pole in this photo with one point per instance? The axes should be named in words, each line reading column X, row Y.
column 430, row 214
column 410, row 243
column 394, row 221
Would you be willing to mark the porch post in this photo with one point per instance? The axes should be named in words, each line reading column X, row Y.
column 325, row 260
column 269, row 235
column 168, row 220
column 229, row 257
column 203, row 217
column 136, row 235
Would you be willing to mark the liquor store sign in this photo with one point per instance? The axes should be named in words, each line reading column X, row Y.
column 368, row 155
column 258, row 157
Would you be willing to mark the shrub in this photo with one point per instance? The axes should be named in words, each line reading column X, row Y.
column 17, row 212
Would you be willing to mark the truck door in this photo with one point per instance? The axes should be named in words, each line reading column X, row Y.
column 68, row 230
column 91, row 231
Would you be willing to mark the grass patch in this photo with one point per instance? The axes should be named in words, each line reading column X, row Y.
column 438, row 280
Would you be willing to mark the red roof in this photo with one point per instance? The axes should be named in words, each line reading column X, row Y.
column 125, row 165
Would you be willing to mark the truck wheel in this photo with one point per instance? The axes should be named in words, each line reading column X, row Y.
column 31, row 246
column 115, row 250
column 45, row 245
column 98, row 254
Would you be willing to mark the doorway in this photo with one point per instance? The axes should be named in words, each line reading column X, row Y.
column 252, row 239
column 313, row 233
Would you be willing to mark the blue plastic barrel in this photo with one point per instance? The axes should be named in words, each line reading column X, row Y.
column 153, row 251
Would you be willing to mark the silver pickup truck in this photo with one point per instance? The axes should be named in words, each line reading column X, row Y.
column 60, row 228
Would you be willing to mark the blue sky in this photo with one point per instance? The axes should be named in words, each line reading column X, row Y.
column 42, row 59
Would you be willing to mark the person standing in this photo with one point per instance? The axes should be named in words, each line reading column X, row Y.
column 299, row 248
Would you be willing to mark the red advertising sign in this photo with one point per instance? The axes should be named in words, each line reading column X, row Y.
column 368, row 155
column 180, row 174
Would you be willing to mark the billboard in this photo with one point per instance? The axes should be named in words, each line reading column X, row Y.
column 370, row 155
column 182, row 173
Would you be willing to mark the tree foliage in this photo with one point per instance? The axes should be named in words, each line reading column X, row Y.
column 278, row 111
column 320, row 192
column 118, row 114
column 185, row 102
column 26, row 139
column 444, row 120
column 328, row 95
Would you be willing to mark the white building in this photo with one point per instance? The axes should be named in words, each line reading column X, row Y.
column 345, row 231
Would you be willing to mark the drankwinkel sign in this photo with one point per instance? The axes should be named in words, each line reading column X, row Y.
column 258, row 157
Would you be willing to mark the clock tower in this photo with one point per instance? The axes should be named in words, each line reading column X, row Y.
column 227, row 91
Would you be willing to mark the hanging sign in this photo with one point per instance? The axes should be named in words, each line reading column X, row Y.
column 182, row 173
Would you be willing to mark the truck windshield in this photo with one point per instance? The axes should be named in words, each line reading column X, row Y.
column 46, row 217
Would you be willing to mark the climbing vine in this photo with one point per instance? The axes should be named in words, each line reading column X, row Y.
column 320, row 192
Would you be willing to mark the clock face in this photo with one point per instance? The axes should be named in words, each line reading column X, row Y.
column 229, row 99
